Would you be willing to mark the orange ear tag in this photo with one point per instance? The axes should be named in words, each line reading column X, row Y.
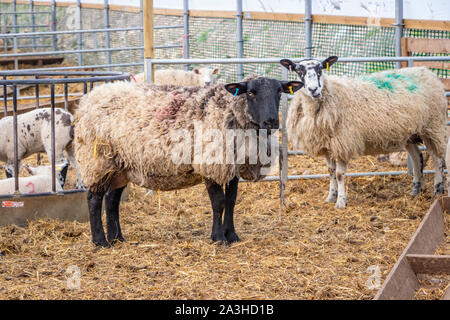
column 290, row 90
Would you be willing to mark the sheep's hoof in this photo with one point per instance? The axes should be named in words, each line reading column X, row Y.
column 116, row 239
column 231, row 237
column 439, row 188
column 102, row 243
column 341, row 203
column 417, row 187
column 218, row 237
column 332, row 197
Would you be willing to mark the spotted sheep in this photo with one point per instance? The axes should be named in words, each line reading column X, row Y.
column 40, row 180
column 343, row 118
column 177, row 77
column 135, row 143
column 34, row 135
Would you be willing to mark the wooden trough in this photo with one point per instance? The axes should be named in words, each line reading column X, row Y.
column 418, row 258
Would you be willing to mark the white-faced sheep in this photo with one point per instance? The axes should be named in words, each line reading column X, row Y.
column 130, row 132
column 34, row 135
column 343, row 118
column 40, row 180
column 177, row 77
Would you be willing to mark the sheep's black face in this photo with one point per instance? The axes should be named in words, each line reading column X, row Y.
column 309, row 72
column 263, row 99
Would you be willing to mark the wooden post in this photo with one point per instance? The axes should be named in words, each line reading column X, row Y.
column 149, row 47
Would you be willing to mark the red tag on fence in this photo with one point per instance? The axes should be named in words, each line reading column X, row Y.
column 12, row 204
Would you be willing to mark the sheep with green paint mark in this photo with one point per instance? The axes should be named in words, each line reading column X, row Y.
column 343, row 118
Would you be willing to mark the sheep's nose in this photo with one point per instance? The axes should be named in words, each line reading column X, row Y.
column 271, row 123
column 312, row 90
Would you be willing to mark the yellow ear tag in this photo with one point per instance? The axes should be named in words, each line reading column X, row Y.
column 290, row 90
column 328, row 66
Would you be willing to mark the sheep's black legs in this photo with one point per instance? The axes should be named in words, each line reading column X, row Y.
column 220, row 201
column 95, row 200
column 217, row 198
column 112, row 202
column 230, row 200
column 417, row 161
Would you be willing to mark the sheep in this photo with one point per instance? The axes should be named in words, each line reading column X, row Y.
column 343, row 118
column 400, row 159
column 34, row 135
column 177, row 77
column 447, row 164
column 39, row 182
column 132, row 132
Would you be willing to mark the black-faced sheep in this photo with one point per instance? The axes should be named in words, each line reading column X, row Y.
column 34, row 135
column 130, row 132
column 343, row 118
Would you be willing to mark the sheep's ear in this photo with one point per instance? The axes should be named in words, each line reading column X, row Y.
column 291, row 86
column 236, row 88
column 196, row 71
column 328, row 62
column 288, row 64
column 216, row 71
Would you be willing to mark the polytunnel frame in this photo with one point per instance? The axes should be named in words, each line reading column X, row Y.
column 149, row 66
column 84, row 77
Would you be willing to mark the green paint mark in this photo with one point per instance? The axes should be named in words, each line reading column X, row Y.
column 392, row 81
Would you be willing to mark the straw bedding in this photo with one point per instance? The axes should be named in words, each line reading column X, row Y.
column 310, row 251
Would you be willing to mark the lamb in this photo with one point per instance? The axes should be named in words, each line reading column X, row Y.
column 39, row 182
column 34, row 135
column 343, row 118
column 149, row 142
column 177, row 77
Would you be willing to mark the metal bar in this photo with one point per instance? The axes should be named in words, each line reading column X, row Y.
column 80, row 35
column 107, row 35
column 284, row 141
column 30, row 34
column 186, row 48
column 26, row 12
column 239, row 40
column 33, row 29
column 66, row 96
column 141, row 24
column 50, row 53
column 398, row 29
column 52, row 103
column 308, row 28
column 27, row 26
column 16, row 62
column 351, row 174
column 16, row 151
column 276, row 60
column 55, row 39
column 149, row 45
column 5, row 98
column 37, row 107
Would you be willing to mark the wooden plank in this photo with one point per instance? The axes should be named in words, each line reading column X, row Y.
column 433, row 64
column 446, row 84
column 212, row 14
column 443, row 25
column 149, row 45
column 402, row 283
column 428, row 45
column 273, row 16
column 429, row 264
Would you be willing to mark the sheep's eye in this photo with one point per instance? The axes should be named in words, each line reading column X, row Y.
column 250, row 94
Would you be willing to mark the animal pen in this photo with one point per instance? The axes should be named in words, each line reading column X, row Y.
column 57, row 38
